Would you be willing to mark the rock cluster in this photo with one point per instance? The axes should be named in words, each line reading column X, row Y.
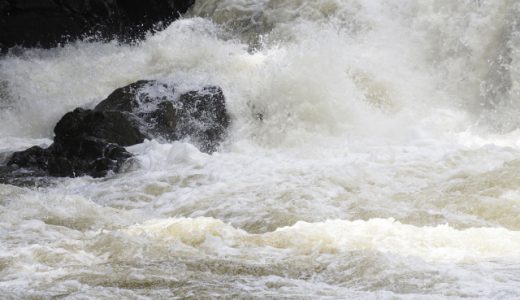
column 91, row 141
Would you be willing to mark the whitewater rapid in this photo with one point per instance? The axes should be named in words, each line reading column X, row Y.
column 385, row 164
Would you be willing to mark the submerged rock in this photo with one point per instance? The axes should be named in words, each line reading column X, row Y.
column 91, row 141
column 23, row 177
column 46, row 23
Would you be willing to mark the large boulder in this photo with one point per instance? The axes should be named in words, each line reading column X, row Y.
column 147, row 103
column 46, row 23
column 198, row 116
column 91, row 141
column 110, row 126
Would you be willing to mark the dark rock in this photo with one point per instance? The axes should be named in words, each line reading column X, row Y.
column 86, row 142
column 86, row 156
column 127, row 98
column 90, row 141
column 161, row 121
column 34, row 157
column 23, row 177
column 60, row 166
column 82, row 156
column 46, row 23
column 111, row 126
column 149, row 103
column 199, row 116
column 203, row 117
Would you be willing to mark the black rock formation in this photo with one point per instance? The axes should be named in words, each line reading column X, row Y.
column 146, row 103
column 111, row 126
column 199, row 116
column 81, row 156
column 45, row 23
column 91, row 141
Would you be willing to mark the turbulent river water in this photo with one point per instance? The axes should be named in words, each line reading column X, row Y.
column 386, row 164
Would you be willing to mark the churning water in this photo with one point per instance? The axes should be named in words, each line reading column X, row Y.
column 385, row 164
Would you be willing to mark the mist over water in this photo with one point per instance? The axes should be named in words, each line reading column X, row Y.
column 385, row 163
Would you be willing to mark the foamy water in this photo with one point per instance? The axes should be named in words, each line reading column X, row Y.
column 386, row 164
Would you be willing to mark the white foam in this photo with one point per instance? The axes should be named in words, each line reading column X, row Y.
column 395, row 120
column 439, row 243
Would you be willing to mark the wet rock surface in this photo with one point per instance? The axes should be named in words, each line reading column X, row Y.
column 111, row 126
column 147, row 104
column 91, row 141
column 82, row 156
column 203, row 117
column 46, row 23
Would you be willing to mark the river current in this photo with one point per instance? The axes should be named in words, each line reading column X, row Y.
column 385, row 164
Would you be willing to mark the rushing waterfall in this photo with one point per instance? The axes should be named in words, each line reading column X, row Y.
column 373, row 152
